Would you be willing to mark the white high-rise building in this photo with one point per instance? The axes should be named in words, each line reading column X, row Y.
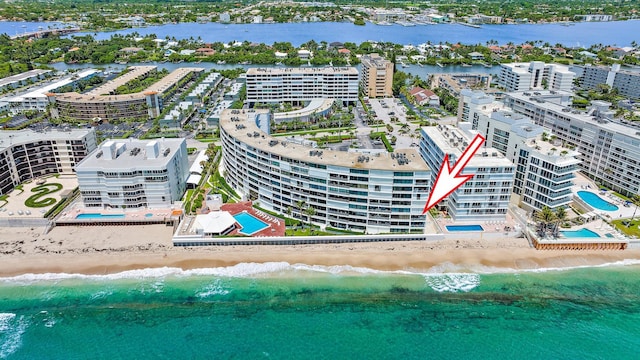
column 269, row 85
column 609, row 149
column 378, row 193
column 544, row 168
column 485, row 197
column 134, row 173
column 535, row 75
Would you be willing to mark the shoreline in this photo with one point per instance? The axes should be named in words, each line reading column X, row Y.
column 111, row 250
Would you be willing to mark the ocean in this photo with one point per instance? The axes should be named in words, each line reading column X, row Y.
column 283, row 311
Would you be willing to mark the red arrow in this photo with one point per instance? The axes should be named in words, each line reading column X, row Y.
column 449, row 179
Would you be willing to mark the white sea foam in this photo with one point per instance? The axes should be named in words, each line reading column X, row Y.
column 5, row 319
column 217, row 288
column 11, row 330
column 271, row 268
column 452, row 282
column 101, row 294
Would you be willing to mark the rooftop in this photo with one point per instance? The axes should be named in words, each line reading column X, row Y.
column 315, row 106
column 159, row 87
column 303, row 70
column 14, row 137
column 454, row 141
column 538, row 99
column 131, row 154
column 43, row 90
column 241, row 125
column 22, row 76
column 111, row 86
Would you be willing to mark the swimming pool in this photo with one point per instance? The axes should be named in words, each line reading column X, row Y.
column 99, row 216
column 596, row 201
column 464, row 228
column 250, row 224
column 582, row 233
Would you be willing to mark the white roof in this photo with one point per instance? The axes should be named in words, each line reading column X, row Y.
column 215, row 222
column 196, row 168
column 194, row 179
column 42, row 91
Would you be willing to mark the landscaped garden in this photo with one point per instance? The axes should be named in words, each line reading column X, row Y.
column 628, row 227
column 39, row 199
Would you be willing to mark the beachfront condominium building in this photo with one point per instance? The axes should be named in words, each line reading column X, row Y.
column 275, row 85
column 134, row 173
column 377, row 76
column 28, row 154
column 627, row 82
column 544, row 168
column 609, row 149
column 379, row 193
column 535, row 75
column 104, row 103
column 485, row 197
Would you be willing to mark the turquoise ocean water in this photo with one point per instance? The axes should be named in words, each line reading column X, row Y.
column 283, row 311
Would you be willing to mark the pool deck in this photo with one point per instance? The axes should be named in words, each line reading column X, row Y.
column 501, row 226
column 622, row 212
column 276, row 225
column 131, row 216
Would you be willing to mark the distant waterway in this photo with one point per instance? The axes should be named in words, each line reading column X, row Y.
column 621, row 33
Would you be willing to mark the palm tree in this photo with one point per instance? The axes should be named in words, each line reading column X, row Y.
column 561, row 216
column 544, row 218
column 309, row 211
column 300, row 204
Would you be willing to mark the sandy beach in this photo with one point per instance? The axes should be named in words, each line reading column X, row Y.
column 104, row 250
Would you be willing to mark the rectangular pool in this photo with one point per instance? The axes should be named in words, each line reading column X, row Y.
column 99, row 216
column 464, row 228
column 250, row 224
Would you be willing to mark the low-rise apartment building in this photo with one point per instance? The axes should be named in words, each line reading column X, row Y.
column 28, row 154
column 101, row 104
column 134, row 173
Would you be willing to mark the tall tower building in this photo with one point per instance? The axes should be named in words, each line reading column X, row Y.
column 377, row 76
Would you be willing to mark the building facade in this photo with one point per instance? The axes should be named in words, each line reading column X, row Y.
column 27, row 154
column 535, row 75
column 377, row 76
column 134, row 173
column 100, row 103
column 365, row 193
column 609, row 149
column 272, row 85
column 37, row 99
column 544, row 168
column 627, row 82
column 485, row 197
